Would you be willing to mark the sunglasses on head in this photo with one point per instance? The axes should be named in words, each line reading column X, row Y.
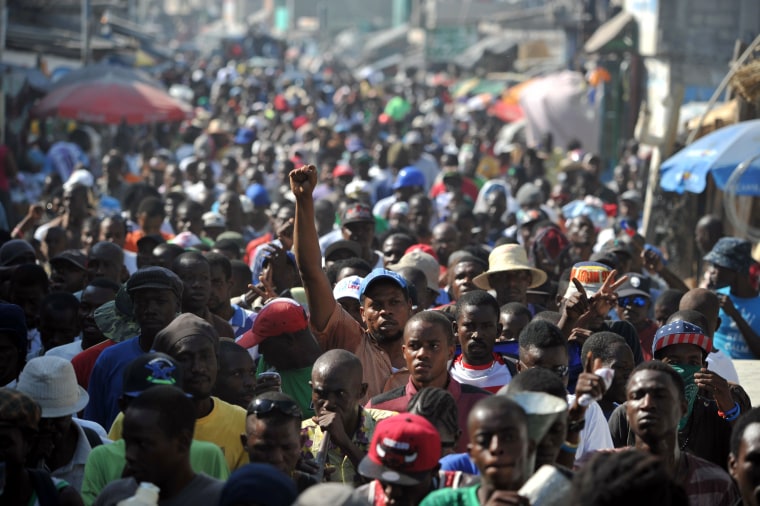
column 637, row 301
column 264, row 406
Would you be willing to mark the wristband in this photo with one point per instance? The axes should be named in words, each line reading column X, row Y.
column 569, row 448
column 732, row 414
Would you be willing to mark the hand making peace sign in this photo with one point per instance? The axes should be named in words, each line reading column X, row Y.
column 581, row 308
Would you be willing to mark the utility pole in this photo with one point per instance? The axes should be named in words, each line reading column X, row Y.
column 85, row 20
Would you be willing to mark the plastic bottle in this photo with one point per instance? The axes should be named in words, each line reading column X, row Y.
column 146, row 495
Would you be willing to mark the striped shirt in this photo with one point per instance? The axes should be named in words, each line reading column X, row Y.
column 705, row 483
column 489, row 377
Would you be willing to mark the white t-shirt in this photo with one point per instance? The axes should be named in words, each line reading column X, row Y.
column 595, row 435
column 67, row 351
column 130, row 261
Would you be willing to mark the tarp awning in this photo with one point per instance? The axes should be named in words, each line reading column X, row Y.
column 720, row 116
column 385, row 37
column 613, row 31
column 495, row 44
column 477, row 86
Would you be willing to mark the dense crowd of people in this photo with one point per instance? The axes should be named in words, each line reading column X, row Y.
column 329, row 291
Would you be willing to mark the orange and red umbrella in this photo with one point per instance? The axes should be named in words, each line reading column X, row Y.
column 112, row 101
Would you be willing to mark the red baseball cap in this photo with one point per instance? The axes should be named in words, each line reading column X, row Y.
column 404, row 449
column 342, row 169
column 280, row 316
column 425, row 248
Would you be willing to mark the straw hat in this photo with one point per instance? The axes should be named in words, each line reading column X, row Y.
column 509, row 257
column 52, row 383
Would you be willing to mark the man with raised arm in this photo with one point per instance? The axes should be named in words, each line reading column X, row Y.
column 384, row 297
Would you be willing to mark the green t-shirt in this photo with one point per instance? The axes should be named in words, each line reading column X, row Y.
column 295, row 383
column 467, row 496
column 106, row 464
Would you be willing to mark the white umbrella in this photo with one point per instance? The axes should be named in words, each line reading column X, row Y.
column 558, row 104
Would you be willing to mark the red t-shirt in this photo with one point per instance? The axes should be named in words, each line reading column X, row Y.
column 255, row 243
column 468, row 188
column 646, row 338
column 84, row 362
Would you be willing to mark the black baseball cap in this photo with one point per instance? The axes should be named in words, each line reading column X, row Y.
column 149, row 370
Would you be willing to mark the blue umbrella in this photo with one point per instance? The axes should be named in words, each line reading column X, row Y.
column 718, row 153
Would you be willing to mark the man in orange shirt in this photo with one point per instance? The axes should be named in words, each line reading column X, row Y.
column 150, row 216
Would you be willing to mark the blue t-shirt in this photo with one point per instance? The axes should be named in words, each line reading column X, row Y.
column 728, row 338
column 106, row 381
column 458, row 462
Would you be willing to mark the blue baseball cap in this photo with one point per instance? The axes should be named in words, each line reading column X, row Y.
column 409, row 176
column 269, row 485
column 381, row 274
column 258, row 195
column 245, row 136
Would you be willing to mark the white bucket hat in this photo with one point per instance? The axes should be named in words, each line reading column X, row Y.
column 509, row 257
column 52, row 383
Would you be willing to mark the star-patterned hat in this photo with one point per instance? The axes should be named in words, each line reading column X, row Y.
column 681, row 332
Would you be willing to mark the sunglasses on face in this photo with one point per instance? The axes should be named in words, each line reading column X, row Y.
column 264, row 406
column 559, row 370
column 637, row 301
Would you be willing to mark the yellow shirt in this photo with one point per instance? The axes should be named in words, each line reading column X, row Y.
column 488, row 168
column 222, row 427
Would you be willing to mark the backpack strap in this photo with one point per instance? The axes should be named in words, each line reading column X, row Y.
column 47, row 492
column 92, row 437
column 510, row 362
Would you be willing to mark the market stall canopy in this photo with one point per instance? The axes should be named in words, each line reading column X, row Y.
column 724, row 114
column 615, row 35
column 718, row 153
column 106, row 72
column 505, row 111
column 496, row 45
column 477, row 85
column 15, row 76
column 558, row 104
column 384, row 42
column 111, row 101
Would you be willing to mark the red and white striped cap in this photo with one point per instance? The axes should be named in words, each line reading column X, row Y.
column 681, row 332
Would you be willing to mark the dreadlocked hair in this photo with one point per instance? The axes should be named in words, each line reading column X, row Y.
column 437, row 406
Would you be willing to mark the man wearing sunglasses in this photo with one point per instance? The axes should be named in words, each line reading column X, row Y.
column 273, row 435
column 543, row 345
column 633, row 306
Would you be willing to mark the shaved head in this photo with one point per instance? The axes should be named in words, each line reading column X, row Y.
column 705, row 302
column 494, row 407
column 106, row 248
column 338, row 362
